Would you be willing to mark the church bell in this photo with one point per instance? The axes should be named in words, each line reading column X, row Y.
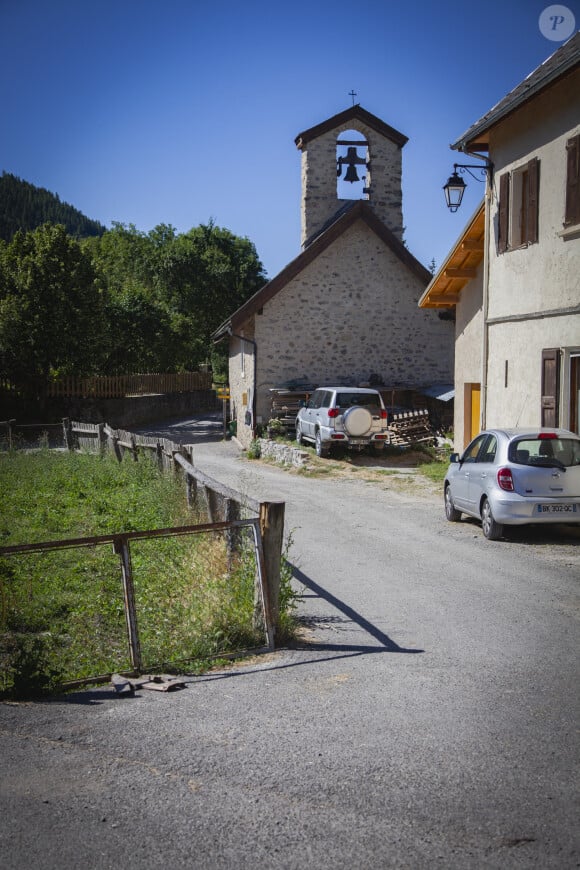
column 351, row 160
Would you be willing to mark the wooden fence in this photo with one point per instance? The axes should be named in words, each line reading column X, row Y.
column 121, row 386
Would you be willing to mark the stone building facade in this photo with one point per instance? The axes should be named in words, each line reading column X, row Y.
column 345, row 310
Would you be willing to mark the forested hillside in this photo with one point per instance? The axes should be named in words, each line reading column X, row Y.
column 26, row 207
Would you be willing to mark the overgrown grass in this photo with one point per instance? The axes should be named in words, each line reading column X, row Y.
column 62, row 613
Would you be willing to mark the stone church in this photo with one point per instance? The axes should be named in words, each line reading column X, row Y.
column 344, row 311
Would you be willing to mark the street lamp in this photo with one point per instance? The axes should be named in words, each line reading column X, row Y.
column 455, row 186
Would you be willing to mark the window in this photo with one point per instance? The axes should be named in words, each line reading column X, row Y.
column 518, row 206
column 550, row 386
column 472, row 451
column 572, row 214
column 574, row 424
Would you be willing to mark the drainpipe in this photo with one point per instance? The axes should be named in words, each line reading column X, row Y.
column 485, row 305
column 485, row 289
column 254, row 392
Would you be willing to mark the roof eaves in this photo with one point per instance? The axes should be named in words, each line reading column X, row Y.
column 561, row 62
column 475, row 223
column 355, row 112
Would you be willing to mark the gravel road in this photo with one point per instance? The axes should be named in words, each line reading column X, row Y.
column 427, row 718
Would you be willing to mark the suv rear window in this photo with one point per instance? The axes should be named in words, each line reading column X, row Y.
column 345, row 400
column 545, row 451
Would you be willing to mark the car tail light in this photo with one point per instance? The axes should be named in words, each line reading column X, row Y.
column 337, row 436
column 547, row 436
column 383, row 415
column 333, row 412
column 505, row 479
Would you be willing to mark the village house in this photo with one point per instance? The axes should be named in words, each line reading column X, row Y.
column 513, row 276
column 345, row 310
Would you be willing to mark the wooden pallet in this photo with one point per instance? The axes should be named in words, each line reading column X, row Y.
column 410, row 427
column 285, row 406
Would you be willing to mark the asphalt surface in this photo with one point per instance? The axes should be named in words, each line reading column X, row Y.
column 428, row 717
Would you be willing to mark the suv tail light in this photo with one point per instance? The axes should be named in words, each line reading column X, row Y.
column 334, row 412
column 505, row 479
column 383, row 415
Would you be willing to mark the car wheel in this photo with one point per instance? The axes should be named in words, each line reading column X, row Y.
column 299, row 436
column 451, row 512
column 491, row 529
column 320, row 449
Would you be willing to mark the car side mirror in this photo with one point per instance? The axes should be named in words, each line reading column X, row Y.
column 454, row 458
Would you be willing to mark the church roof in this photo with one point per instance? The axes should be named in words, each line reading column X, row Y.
column 354, row 113
column 344, row 219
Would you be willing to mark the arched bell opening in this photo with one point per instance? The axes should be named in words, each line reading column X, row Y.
column 352, row 166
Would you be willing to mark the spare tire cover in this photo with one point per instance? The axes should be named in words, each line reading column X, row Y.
column 357, row 421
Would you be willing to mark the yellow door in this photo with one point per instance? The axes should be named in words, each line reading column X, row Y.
column 475, row 409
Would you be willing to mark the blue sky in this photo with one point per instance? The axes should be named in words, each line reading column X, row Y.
column 180, row 111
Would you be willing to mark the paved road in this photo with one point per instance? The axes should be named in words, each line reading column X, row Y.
column 429, row 718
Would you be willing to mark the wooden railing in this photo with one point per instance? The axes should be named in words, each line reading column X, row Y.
column 119, row 386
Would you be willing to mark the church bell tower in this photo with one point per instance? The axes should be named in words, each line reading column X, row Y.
column 351, row 156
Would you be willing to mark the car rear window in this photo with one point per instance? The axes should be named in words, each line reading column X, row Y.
column 345, row 400
column 545, row 451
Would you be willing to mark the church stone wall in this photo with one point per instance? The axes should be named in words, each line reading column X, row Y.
column 350, row 314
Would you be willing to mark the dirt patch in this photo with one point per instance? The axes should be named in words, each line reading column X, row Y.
column 400, row 472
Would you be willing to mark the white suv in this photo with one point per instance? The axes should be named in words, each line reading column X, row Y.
column 351, row 417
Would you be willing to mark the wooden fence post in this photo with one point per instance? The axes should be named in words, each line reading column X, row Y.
column 231, row 514
column 10, row 424
column 272, row 532
column 67, row 433
column 212, row 504
column 191, row 490
column 102, row 438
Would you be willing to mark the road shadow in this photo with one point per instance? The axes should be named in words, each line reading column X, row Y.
column 385, row 643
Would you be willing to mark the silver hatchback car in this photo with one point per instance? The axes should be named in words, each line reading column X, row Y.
column 351, row 417
column 515, row 477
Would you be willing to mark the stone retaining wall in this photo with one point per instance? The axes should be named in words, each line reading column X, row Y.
column 283, row 452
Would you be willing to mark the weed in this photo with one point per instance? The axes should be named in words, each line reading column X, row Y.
column 254, row 451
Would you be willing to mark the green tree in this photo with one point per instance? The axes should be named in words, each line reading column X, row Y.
column 51, row 313
column 166, row 292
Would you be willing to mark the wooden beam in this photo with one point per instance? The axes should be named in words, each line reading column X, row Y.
column 444, row 299
column 460, row 273
column 472, row 245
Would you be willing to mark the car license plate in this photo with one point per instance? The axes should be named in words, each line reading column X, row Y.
column 357, row 440
column 557, row 508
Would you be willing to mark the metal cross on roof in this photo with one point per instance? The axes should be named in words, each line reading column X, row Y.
column 352, row 94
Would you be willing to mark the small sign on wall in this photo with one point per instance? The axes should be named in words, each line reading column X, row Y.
column 244, row 399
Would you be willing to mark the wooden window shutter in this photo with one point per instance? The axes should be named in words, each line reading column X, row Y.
column 572, row 214
column 533, row 200
column 504, row 207
column 550, row 386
